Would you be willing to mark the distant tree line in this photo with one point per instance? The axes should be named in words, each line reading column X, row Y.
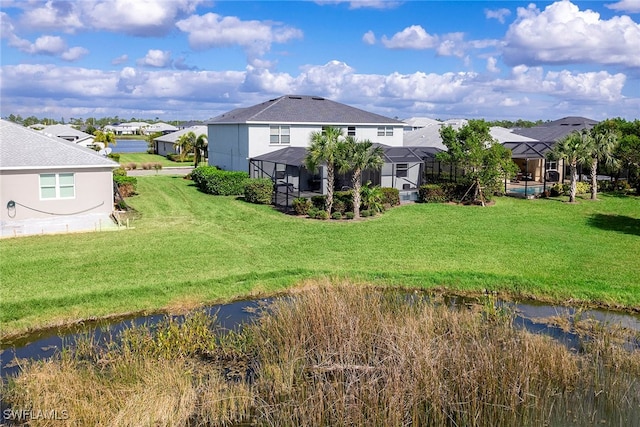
column 80, row 123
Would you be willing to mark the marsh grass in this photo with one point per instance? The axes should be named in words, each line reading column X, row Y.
column 338, row 355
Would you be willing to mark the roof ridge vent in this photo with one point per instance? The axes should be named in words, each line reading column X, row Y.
column 295, row 97
column 317, row 98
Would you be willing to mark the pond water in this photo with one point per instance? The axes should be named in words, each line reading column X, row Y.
column 129, row 146
column 531, row 316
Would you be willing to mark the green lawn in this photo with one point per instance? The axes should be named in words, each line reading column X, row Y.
column 190, row 247
column 126, row 158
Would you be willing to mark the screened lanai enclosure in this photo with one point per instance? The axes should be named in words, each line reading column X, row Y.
column 404, row 168
column 535, row 172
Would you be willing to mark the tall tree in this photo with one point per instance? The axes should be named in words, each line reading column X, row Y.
column 357, row 156
column 324, row 148
column 200, row 149
column 185, row 144
column 575, row 150
column 484, row 160
column 105, row 138
column 601, row 147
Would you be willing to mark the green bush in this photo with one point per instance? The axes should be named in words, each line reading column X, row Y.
column 344, row 200
column 312, row 212
column 258, row 190
column 301, row 205
column 226, row 183
column 349, row 215
column 583, row 187
column 114, row 156
column 336, row 215
column 319, row 202
column 365, row 213
column 324, row 215
column 614, row 186
column 390, row 196
column 120, row 172
column 338, row 206
column 199, row 175
column 432, row 193
column 119, row 179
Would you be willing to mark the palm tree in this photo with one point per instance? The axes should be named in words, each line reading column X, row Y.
column 602, row 146
column 185, row 144
column 200, row 148
column 105, row 138
column 358, row 156
column 324, row 148
column 574, row 149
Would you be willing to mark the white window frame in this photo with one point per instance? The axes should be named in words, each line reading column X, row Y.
column 282, row 135
column 552, row 165
column 351, row 131
column 58, row 186
column 385, row 130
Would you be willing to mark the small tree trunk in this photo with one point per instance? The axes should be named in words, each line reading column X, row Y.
column 330, row 183
column 594, row 178
column 356, row 184
column 574, row 182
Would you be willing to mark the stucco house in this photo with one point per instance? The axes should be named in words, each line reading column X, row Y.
column 288, row 121
column 50, row 185
column 70, row 134
column 165, row 144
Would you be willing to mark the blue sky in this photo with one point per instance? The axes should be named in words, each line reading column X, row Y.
column 195, row 59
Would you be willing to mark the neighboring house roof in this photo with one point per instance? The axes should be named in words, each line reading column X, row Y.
column 557, row 129
column 429, row 136
column 160, row 127
column 22, row 148
column 507, row 135
column 529, row 149
column 69, row 133
column 173, row 136
column 420, row 122
column 302, row 109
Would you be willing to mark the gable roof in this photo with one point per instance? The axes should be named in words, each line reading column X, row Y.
column 302, row 109
column 173, row 136
column 69, row 133
column 557, row 129
column 22, row 149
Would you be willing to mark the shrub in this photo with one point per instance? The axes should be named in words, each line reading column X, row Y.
column 226, row 183
column 390, row 196
column 349, row 215
column 365, row 213
column 319, row 202
column 132, row 166
column 338, row 206
column 147, row 166
column 258, row 190
column 114, row 156
column 127, row 185
column 558, row 189
column 432, row 193
column 120, row 172
column 157, row 166
column 344, row 197
column 324, row 215
column 312, row 212
column 301, row 205
column 583, row 187
column 336, row 215
column 199, row 175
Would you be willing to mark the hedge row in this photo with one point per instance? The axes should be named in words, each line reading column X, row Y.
column 442, row 192
column 212, row 180
column 258, row 190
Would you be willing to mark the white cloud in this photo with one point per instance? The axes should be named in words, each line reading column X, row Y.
column 53, row 15
column 562, row 34
column 361, row 4
column 74, row 54
column 120, row 59
column 256, row 37
column 413, row 37
column 156, row 58
column 630, row 6
column 369, row 37
column 492, row 65
column 499, row 14
column 527, row 92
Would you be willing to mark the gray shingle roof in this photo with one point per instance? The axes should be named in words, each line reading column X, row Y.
column 302, row 109
column 173, row 136
column 23, row 148
column 65, row 131
column 557, row 129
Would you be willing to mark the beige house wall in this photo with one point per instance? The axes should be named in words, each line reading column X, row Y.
column 93, row 194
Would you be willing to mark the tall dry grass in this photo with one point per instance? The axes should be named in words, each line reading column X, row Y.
column 337, row 355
